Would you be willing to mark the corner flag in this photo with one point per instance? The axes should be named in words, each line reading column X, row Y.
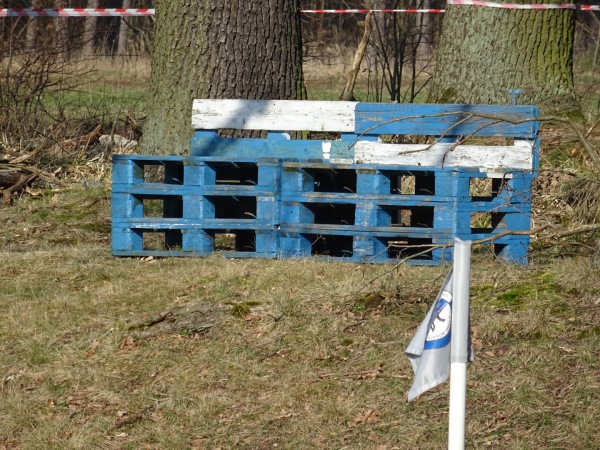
column 441, row 347
column 429, row 349
column 444, row 336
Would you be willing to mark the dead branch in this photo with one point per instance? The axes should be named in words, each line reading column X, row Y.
column 467, row 116
column 24, row 180
column 581, row 135
column 535, row 231
column 27, row 156
column 348, row 93
column 80, row 141
column 8, row 179
column 576, row 231
column 19, row 168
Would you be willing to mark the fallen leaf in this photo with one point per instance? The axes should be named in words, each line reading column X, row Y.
column 128, row 343
column 127, row 421
column 197, row 444
column 367, row 417
column 91, row 351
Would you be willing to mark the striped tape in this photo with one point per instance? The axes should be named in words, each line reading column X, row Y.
column 532, row 6
column 118, row 12
column 75, row 12
column 121, row 12
column 354, row 11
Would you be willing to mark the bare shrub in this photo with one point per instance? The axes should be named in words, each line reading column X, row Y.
column 33, row 77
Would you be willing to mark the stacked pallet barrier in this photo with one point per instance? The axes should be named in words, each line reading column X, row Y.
column 359, row 182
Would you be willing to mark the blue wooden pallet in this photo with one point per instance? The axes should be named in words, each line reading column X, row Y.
column 200, row 200
column 371, row 122
column 294, row 215
column 366, row 205
column 348, row 188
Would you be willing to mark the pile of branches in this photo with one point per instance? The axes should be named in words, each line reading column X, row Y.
column 18, row 171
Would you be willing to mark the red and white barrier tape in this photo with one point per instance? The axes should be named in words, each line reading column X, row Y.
column 120, row 12
column 75, row 12
column 354, row 11
column 532, row 6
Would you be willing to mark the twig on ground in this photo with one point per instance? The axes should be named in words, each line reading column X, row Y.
column 25, row 179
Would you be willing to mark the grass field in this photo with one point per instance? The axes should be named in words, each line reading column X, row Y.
column 129, row 353
column 215, row 353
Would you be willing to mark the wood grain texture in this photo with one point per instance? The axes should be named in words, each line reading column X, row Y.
column 273, row 115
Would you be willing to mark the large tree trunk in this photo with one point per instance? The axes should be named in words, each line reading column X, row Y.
column 218, row 49
column 486, row 52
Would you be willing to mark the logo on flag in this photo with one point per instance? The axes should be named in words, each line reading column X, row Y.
column 441, row 321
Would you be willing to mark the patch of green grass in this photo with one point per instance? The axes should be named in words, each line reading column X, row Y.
column 511, row 299
column 538, row 291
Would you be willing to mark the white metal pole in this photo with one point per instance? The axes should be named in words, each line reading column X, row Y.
column 459, row 345
column 458, row 400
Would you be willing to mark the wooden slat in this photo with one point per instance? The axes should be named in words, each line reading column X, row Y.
column 201, row 145
column 446, row 120
column 517, row 157
column 273, row 115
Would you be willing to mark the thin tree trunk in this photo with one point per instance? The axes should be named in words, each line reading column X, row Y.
column 90, row 29
column 425, row 42
column 61, row 30
column 348, row 93
column 377, row 49
column 123, row 31
column 33, row 26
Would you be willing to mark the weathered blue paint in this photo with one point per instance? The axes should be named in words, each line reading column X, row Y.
column 284, row 197
column 447, row 120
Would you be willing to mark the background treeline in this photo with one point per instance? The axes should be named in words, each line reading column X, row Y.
column 324, row 34
column 101, row 36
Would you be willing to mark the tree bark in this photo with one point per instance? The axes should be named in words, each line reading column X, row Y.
column 486, row 52
column 8, row 179
column 218, row 49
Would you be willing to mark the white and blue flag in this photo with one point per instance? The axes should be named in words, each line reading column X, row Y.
column 429, row 349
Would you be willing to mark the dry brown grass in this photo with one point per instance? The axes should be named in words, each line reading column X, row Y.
column 301, row 355
column 292, row 354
